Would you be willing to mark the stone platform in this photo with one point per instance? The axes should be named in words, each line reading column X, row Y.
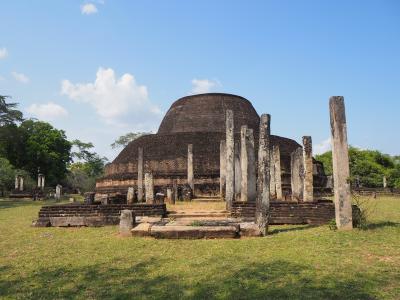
column 93, row 215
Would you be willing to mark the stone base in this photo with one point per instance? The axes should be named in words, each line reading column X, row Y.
column 193, row 232
column 249, row 230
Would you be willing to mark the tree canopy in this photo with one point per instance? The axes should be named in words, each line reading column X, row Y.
column 368, row 167
column 124, row 140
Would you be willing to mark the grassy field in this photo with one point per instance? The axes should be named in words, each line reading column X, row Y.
column 294, row 262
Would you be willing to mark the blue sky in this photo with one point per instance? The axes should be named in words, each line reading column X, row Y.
column 99, row 69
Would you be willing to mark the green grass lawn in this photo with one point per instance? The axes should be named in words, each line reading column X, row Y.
column 294, row 262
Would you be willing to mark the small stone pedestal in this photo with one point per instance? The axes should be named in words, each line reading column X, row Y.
column 127, row 220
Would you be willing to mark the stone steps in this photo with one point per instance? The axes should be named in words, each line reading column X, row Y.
column 207, row 199
column 199, row 214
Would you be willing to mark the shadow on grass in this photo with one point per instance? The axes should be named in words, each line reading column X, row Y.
column 297, row 228
column 381, row 224
column 276, row 280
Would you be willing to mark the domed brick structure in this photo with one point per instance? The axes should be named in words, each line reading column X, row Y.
column 198, row 120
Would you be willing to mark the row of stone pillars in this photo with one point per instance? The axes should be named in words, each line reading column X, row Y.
column 301, row 167
column 19, row 182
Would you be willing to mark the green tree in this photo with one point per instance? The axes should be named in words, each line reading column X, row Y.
column 8, row 113
column 34, row 145
column 7, row 175
column 124, row 140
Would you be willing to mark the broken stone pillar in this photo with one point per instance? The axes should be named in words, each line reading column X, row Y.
column 238, row 172
column 230, row 160
column 222, row 168
column 340, row 163
column 58, row 191
column 272, row 185
column 297, row 174
column 248, row 167
column 263, row 196
column 384, row 182
column 308, row 169
column 190, row 167
column 149, row 187
column 140, row 175
column 130, row 195
column 16, row 182
column 276, row 154
column 126, row 222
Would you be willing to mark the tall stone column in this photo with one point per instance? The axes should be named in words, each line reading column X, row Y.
column 40, row 181
column 272, row 185
column 248, row 168
column 340, row 163
column 190, row 167
column 238, row 172
column 263, row 195
column 230, row 160
column 384, row 182
column 297, row 174
column 277, row 171
column 308, row 169
column 149, row 187
column 140, row 174
column 16, row 182
column 222, row 168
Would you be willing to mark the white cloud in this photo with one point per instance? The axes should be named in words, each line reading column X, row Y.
column 3, row 53
column 48, row 112
column 201, row 86
column 323, row 147
column 119, row 101
column 88, row 9
column 20, row 77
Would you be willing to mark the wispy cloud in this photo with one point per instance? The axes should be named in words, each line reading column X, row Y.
column 118, row 101
column 3, row 53
column 201, row 86
column 323, row 147
column 88, row 9
column 20, row 77
column 47, row 112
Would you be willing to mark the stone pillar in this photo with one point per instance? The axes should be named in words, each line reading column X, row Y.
column 277, row 171
column 170, row 196
column 175, row 190
column 140, row 175
column 16, row 182
column 190, row 168
column 222, row 168
column 384, row 182
column 340, row 163
column 21, row 183
column 308, row 169
column 58, row 191
column 272, row 184
column 297, row 174
column 248, row 166
column 149, row 187
column 126, row 221
column 238, row 172
column 130, row 195
column 263, row 196
column 230, row 160
column 41, row 181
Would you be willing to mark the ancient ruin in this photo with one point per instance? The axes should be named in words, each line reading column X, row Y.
column 215, row 146
column 187, row 148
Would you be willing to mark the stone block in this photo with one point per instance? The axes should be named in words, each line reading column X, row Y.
column 141, row 230
column 67, row 221
column 249, row 230
column 126, row 223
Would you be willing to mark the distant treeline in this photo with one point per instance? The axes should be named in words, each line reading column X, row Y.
column 368, row 167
